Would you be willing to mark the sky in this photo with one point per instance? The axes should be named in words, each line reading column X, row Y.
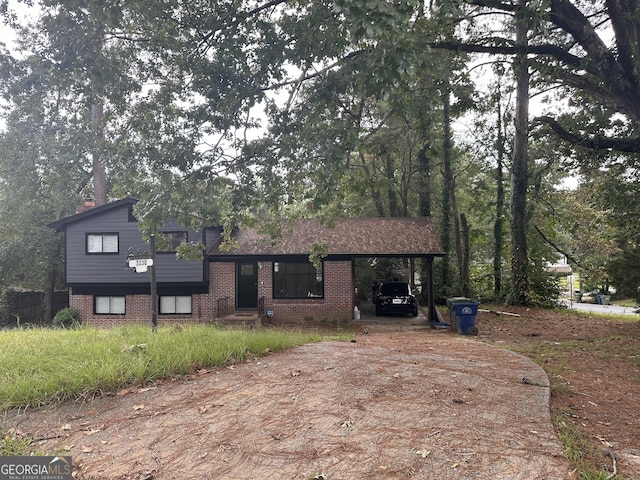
column 24, row 13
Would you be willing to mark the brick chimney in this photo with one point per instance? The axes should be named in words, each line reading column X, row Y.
column 88, row 205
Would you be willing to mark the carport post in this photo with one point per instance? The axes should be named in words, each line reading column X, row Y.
column 432, row 304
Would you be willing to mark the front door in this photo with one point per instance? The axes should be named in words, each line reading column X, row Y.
column 247, row 275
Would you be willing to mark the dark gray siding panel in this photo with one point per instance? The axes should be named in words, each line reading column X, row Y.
column 111, row 268
column 212, row 237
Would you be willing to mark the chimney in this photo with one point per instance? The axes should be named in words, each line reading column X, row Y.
column 88, row 205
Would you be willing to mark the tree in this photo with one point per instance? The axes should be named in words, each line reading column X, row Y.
column 498, row 235
column 37, row 186
column 68, row 45
column 566, row 49
column 70, row 66
column 519, row 166
column 168, row 97
column 567, row 52
column 617, row 196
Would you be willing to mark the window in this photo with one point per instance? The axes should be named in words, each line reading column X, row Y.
column 297, row 280
column 175, row 304
column 247, row 269
column 102, row 243
column 395, row 289
column 170, row 241
column 109, row 305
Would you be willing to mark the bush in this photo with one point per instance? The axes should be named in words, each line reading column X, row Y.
column 544, row 289
column 67, row 318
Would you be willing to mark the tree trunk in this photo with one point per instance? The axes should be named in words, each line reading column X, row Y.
column 424, row 195
column 498, row 237
column 99, row 172
column 519, row 170
column 376, row 197
column 465, row 271
column 51, row 279
column 424, row 188
column 97, row 112
column 457, row 236
column 447, row 193
column 50, row 285
column 392, row 198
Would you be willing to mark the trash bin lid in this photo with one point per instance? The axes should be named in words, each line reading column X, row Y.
column 450, row 301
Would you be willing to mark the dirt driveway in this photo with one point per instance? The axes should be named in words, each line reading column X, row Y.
column 401, row 403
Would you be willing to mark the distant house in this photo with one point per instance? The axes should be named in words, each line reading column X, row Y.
column 256, row 276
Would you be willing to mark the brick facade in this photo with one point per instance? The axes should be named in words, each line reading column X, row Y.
column 137, row 311
column 336, row 306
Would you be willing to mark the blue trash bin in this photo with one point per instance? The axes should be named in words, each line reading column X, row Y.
column 464, row 314
column 450, row 302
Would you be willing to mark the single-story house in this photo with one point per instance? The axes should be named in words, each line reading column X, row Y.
column 253, row 274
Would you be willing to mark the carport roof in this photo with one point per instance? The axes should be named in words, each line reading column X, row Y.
column 380, row 236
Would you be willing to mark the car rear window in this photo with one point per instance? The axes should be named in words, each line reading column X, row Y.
column 395, row 289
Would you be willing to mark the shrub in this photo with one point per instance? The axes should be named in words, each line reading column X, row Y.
column 67, row 318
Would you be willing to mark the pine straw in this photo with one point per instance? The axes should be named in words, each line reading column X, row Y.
column 418, row 405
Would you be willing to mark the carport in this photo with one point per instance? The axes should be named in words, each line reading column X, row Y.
column 403, row 237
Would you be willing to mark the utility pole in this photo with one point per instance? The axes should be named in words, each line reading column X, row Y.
column 154, row 293
column 141, row 262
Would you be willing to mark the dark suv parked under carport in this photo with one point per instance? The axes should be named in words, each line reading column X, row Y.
column 396, row 297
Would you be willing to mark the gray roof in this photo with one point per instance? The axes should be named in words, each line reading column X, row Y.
column 380, row 236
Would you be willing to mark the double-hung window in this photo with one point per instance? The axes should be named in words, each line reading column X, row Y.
column 105, row 305
column 170, row 304
column 102, row 243
column 297, row 280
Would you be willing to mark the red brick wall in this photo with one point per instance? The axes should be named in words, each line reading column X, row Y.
column 337, row 304
column 138, row 311
column 222, row 287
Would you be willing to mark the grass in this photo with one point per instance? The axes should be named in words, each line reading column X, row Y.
column 43, row 366
column 625, row 302
column 13, row 445
column 553, row 360
column 580, row 450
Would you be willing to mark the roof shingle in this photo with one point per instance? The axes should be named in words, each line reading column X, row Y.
column 398, row 236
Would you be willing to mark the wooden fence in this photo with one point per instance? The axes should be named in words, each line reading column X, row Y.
column 28, row 307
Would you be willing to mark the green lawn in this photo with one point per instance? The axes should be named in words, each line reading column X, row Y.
column 625, row 302
column 42, row 366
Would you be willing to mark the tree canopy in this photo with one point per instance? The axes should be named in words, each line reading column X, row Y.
column 235, row 111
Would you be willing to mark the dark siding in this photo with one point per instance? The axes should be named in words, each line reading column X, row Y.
column 212, row 237
column 83, row 268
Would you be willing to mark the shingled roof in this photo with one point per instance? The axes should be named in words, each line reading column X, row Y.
column 382, row 236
